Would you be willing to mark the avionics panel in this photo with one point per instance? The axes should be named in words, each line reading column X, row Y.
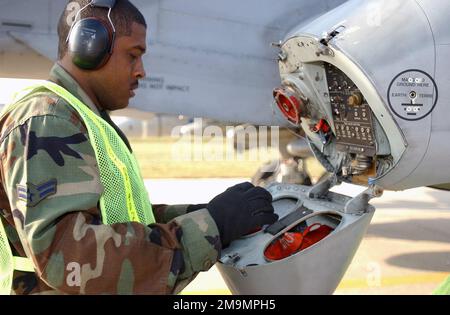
column 351, row 114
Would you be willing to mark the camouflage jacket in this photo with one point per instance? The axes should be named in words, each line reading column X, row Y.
column 50, row 209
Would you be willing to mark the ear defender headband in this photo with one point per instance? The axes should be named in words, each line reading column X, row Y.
column 90, row 40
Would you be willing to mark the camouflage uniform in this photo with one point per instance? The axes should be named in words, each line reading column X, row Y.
column 50, row 209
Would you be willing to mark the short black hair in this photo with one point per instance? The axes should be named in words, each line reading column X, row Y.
column 122, row 15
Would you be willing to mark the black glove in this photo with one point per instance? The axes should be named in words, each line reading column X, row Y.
column 192, row 208
column 241, row 209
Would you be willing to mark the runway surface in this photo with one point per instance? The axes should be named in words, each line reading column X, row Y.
column 405, row 251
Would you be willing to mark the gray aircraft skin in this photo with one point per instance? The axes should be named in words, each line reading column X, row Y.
column 201, row 54
column 366, row 81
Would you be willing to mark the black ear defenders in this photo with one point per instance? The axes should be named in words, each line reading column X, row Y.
column 90, row 40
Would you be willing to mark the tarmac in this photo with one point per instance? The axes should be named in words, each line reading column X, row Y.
column 406, row 249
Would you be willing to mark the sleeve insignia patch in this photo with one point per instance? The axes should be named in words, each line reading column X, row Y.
column 33, row 194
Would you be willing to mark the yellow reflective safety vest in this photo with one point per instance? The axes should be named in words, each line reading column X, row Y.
column 124, row 198
column 444, row 288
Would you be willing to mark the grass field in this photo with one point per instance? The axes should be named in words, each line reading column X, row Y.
column 166, row 157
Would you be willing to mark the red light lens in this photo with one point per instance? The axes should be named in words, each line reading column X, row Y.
column 288, row 104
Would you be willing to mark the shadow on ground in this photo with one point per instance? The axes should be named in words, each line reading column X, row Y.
column 428, row 261
column 434, row 230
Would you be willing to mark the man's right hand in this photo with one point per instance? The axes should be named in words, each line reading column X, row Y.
column 241, row 209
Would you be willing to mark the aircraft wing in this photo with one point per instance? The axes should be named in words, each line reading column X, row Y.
column 206, row 58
